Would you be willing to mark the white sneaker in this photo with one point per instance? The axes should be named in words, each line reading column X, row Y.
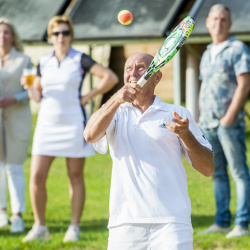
column 215, row 229
column 17, row 224
column 238, row 231
column 3, row 218
column 37, row 232
column 72, row 234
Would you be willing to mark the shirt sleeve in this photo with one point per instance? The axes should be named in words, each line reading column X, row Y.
column 203, row 61
column 38, row 72
column 87, row 62
column 200, row 68
column 22, row 96
column 241, row 59
column 101, row 146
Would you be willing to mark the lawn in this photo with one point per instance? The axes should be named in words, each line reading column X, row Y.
column 94, row 233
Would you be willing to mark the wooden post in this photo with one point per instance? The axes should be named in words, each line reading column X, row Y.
column 192, row 81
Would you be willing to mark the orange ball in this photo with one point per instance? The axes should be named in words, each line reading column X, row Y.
column 125, row 17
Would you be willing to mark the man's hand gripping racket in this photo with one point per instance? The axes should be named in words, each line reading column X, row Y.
column 169, row 48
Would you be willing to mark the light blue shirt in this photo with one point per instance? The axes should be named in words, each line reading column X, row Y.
column 219, row 81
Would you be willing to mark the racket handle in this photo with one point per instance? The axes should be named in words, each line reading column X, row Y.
column 142, row 81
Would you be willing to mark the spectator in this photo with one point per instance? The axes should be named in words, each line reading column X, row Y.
column 61, row 121
column 15, row 126
column 224, row 71
column 149, row 203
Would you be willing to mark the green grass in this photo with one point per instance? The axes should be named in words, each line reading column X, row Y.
column 94, row 233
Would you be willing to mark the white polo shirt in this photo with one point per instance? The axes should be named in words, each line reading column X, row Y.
column 149, row 181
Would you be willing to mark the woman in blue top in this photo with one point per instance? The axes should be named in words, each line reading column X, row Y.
column 61, row 121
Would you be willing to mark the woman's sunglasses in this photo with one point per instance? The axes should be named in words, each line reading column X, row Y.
column 64, row 33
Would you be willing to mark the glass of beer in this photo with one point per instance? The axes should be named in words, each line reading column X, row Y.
column 30, row 74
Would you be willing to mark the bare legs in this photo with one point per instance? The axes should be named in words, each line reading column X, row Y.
column 76, row 187
column 40, row 166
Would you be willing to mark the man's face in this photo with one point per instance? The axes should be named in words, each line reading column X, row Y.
column 218, row 24
column 135, row 67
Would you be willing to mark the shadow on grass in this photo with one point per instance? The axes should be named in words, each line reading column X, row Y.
column 55, row 225
column 5, row 232
column 85, row 225
column 247, row 133
column 199, row 221
column 90, row 226
column 202, row 220
column 95, row 226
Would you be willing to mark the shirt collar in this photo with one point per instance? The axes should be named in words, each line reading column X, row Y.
column 70, row 53
column 231, row 39
column 158, row 104
column 12, row 52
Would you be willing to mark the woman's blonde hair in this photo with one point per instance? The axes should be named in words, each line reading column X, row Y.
column 16, row 41
column 54, row 21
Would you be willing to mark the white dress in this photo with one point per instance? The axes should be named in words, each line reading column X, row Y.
column 61, row 119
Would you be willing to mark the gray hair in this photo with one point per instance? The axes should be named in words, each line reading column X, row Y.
column 220, row 6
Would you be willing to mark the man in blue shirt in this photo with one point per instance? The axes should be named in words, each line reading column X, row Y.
column 224, row 72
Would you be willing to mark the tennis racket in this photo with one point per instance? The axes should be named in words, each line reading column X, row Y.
column 169, row 48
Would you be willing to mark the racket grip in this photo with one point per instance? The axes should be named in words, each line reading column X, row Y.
column 142, row 81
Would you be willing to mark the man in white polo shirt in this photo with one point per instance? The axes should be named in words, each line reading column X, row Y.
column 149, row 203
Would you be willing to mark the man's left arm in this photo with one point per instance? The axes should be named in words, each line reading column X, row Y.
column 201, row 157
column 238, row 100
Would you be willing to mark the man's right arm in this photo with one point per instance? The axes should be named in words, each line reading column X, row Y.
column 101, row 119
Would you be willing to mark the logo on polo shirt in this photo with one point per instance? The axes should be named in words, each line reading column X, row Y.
column 163, row 125
column 204, row 137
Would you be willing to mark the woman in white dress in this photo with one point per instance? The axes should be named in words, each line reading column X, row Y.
column 61, row 121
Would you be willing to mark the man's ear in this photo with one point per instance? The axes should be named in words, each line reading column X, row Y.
column 158, row 77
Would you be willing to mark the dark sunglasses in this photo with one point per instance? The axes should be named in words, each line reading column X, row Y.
column 64, row 33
